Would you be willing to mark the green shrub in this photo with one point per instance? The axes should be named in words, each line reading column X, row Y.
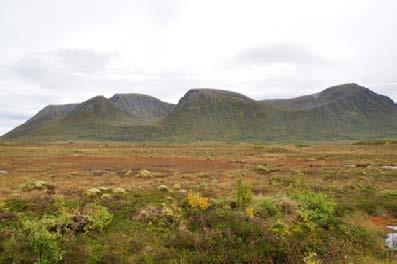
column 317, row 208
column 278, row 227
column 99, row 216
column 244, row 194
column 265, row 207
column 392, row 193
column 16, row 205
column 44, row 244
column 258, row 146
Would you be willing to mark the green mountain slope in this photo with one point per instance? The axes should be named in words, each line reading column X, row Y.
column 98, row 109
column 218, row 114
column 352, row 94
column 341, row 112
column 96, row 116
column 46, row 115
column 347, row 111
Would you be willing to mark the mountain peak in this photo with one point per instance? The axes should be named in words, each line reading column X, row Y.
column 98, row 107
column 51, row 112
column 116, row 95
column 347, row 89
column 97, row 99
column 208, row 94
column 354, row 92
column 349, row 93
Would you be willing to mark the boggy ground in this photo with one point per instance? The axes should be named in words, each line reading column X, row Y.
column 101, row 203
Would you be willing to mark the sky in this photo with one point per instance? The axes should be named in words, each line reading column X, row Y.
column 67, row 51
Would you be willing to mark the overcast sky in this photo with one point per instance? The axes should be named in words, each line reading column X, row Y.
column 64, row 51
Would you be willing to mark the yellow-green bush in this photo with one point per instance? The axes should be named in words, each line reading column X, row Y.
column 244, row 194
column 44, row 244
column 99, row 216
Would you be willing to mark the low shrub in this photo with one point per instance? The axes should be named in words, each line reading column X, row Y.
column 44, row 244
column 16, row 205
column 265, row 207
column 98, row 216
column 316, row 208
column 244, row 196
column 196, row 201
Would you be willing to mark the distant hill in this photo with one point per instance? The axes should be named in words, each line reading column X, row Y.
column 346, row 111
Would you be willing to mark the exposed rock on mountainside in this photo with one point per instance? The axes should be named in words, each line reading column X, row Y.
column 142, row 107
column 51, row 112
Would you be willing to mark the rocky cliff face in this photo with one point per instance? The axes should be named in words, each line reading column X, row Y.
column 144, row 108
column 51, row 112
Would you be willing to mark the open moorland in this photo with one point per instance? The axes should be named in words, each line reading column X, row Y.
column 207, row 202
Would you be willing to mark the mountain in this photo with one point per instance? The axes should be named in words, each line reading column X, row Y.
column 146, row 109
column 51, row 112
column 351, row 94
column 44, row 116
column 96, row 118
column 341, row 112
column 88, row 120
column 346, row 111
column 210, row 113
column 97, row 109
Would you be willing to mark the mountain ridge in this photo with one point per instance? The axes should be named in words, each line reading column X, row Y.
column 98, row 108
column 326, row 96
column 347, row 111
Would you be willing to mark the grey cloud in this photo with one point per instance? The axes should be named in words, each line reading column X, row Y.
column 279, row 53
column 19, row 117
column 31, row 68
column 80, row 61
column 62, row 68
column 75, row 70
column 163, row 11
column 26, row 24
column 84, row 61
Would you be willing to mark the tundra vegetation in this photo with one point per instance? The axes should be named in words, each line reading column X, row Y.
column 210, row 202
